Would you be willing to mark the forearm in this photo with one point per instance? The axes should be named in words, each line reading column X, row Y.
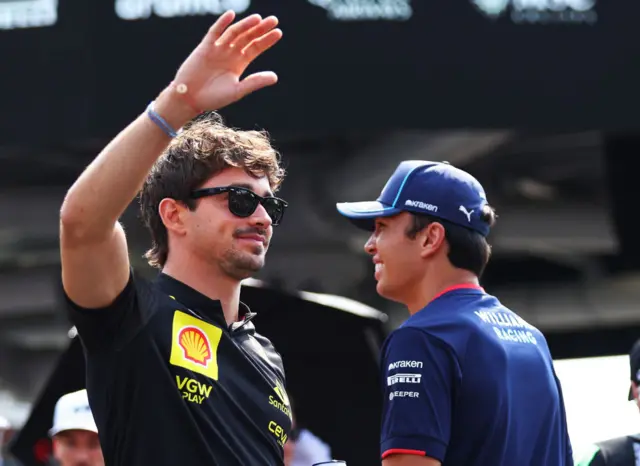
column 109, row 184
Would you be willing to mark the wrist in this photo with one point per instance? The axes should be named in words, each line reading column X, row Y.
column 173, row 108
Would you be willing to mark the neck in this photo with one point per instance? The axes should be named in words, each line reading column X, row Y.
column 429, row 287
column 209, row 280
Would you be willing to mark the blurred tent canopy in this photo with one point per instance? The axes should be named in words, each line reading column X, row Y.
column 330, row 346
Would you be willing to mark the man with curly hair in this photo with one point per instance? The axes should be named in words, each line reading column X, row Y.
column 176, row 373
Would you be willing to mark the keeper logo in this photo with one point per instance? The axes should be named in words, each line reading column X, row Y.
column 393, row 395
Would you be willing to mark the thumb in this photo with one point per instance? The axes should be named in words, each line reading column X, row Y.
column 256, row 81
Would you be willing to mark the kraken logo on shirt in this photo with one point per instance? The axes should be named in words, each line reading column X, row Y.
column 194, row 345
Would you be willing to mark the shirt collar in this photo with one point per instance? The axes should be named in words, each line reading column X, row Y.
column 461, row 286
column 196, row 301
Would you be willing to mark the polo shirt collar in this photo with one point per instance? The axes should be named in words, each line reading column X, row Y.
column 197, row 302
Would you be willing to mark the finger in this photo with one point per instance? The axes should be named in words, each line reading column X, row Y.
column 241, row 26
column 255, row 32
column 256, row 81
column 220, row 25
column 262, row 44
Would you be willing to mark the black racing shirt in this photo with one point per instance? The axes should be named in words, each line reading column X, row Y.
column 620, row 451
column 170, row 383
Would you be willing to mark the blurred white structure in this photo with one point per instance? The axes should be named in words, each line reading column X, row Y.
column 13, row 410
column 595, row 393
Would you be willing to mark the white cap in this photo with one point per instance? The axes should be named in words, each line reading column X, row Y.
column 72, row 412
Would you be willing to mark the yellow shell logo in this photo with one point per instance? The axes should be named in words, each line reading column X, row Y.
column 195, row 346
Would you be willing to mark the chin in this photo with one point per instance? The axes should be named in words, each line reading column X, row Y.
column 386, row 291
column 382, row 289
column 242, row 265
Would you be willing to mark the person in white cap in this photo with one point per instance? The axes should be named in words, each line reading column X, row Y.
column 5, row 429
column 74, row 432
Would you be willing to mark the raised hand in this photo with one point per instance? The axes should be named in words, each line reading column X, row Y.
column 212, row 74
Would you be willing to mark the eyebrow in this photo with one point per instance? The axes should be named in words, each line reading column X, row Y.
column 250, row 188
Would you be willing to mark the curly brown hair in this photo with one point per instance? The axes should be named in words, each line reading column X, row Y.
column 203, row 149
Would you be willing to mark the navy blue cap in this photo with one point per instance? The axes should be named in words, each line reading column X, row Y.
column 434, row 188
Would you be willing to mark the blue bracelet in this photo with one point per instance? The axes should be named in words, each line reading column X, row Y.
column 162, row 124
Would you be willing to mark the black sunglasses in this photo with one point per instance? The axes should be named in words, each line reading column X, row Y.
column 243, row 202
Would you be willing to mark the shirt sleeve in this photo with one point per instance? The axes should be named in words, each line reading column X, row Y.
column 112, row 327
column 420, row 374
column 567, row 439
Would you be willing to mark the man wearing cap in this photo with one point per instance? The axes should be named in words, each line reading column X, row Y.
column 74, row 432
column 466, row 381
column 620, row 451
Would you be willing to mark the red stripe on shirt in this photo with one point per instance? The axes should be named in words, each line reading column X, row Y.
column 403, row 451
column 461, row 286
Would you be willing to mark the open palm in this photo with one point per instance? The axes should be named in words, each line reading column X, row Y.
column 212, row 73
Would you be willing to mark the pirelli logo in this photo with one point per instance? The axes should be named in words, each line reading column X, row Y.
column 194, row 345
column 404, row 378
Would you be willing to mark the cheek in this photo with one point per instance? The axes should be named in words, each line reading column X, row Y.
column 389, row 246
column 398, row 254
column 211, row 227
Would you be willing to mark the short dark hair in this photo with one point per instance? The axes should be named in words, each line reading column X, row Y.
column 468, row 249
column 203, row 149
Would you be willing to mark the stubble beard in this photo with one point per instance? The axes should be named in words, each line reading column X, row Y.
column 240, row 265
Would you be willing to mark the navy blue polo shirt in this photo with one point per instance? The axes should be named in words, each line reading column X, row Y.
column 468, row 382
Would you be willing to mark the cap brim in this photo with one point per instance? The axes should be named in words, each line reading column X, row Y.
column 362, row 214
column 56, row 430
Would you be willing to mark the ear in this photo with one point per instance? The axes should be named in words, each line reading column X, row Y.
column 55, row 446
column 172, row 214
column 432, row 239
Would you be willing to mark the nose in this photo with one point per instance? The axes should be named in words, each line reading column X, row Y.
column 370, row 245
column 261, row 218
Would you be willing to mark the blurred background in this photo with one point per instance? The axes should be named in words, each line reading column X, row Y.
column 537, row 99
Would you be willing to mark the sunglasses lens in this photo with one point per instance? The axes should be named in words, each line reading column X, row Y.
column 275, row 209
column 242, row 203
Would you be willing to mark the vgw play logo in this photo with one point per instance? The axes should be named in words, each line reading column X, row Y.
column 540, row 11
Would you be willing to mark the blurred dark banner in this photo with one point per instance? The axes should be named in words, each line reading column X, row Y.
column 358, row 64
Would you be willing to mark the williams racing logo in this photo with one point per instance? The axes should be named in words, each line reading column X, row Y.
column 194, row 345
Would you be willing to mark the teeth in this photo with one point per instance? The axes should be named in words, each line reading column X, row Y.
column 378, row 267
